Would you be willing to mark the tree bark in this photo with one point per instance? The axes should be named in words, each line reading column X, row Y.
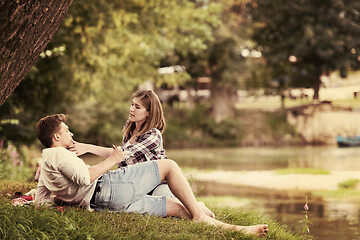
column 26, row 27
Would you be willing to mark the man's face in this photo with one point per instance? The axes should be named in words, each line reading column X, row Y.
column 65, row 136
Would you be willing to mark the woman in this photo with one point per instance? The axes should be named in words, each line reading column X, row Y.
column 143, row 131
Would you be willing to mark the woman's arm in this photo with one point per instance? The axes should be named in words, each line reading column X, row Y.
column 82, row 148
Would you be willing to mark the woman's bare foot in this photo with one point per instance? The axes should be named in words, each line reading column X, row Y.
column 206, row 210
column 257, row 230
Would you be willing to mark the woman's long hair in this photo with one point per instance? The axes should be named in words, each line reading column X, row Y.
column 156, row 119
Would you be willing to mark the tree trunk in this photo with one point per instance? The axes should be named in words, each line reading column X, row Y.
column 26, row 27
column 316, row 86
column 222, row 102
column 282, row 100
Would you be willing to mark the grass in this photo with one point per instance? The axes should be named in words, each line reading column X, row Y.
column 312, row 171
column 348, row 194
column 273, row 103
column 347, row 189
column 348, row 184
column 27, row 222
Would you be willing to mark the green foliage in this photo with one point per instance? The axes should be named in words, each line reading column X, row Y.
column 100, row 54
column 193, row 128
column 95, row 123
column 303, row 39
column 277, row 122
column 16, row 163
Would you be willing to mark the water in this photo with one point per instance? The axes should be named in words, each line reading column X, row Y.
column 337, row 219
column 266, row 158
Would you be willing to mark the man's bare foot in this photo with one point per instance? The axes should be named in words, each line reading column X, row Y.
column 206, row 210
column 258, row 230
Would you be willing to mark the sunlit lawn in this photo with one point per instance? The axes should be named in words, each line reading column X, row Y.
column 273, row 103
column 75, row 223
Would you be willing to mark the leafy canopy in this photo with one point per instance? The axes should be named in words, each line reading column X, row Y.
column 313, row 37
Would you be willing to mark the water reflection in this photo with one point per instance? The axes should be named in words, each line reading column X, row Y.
column 329, row 158
column 331, row 219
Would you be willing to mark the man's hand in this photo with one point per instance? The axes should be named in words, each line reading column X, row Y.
column 117, row 155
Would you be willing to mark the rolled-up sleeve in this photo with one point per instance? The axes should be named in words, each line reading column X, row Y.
column 79, row 175
column 74, row 169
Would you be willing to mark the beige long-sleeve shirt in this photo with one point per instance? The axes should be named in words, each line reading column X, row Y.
column 64, row 176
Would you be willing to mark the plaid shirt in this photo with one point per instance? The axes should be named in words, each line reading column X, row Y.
column 146, row 147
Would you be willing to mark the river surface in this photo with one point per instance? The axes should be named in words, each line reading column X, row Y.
column 332, row 218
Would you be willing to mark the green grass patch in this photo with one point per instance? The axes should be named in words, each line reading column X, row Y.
column 348, row 184
column 312, row 171
column 27, row 222
column 339, row 194
column 347, row 189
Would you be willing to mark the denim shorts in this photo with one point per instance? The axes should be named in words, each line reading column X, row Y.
column 126, row 188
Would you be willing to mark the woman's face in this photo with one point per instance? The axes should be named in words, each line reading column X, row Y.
column 138, row 112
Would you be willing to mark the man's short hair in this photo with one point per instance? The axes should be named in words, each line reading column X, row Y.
column 47, row 127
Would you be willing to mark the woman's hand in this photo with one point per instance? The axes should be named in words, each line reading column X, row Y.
column 79, row 148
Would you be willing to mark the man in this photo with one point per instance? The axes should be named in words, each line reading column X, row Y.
column 66, row 177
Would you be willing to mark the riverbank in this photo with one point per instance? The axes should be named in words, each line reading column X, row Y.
column 270, row 180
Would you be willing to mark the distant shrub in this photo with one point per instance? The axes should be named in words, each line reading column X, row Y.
column 16, row 163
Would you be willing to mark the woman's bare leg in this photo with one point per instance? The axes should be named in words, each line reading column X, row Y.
column 176, row 209
column 180, row 187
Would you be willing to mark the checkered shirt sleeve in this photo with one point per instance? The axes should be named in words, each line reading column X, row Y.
column 148, row 146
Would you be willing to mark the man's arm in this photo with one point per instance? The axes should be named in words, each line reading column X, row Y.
column 97, row 170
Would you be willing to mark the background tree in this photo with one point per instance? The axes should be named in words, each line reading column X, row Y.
column 101, row 53
column 224, row 61
column 308, row 38
column 26, row 27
